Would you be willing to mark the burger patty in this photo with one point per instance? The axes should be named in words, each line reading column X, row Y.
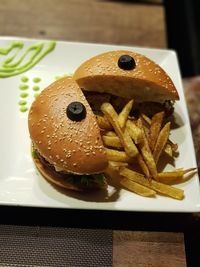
column 96, row 99
column 84, row 181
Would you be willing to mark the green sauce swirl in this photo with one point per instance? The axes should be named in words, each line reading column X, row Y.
column 32, row 55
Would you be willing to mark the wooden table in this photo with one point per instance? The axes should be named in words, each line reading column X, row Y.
column 154, row 240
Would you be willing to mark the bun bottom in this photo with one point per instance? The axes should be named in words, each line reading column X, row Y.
column 57, row 179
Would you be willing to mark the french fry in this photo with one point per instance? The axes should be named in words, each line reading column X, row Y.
column 103, row 123
column 143, row 140
column 172, row 176
column 110, row 133
column 137, row 188
column 169, row 177
column 112, row 141
column 148, row 122
column 154, row 130
column 115, row 155
column 168, row 150
column 163, row 189
column 161, row 141
column 115, row 165
column 129, row 145
column 143, row 165
column 146, row 119
column 125, row 138
column 146, row 152
column 187, row 176
column 134, row 131
column 123, row 115
column 118, row 164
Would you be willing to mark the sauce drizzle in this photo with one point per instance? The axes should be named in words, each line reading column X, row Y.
column 17, row 64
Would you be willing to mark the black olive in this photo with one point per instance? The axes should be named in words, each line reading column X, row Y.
column 76, row 111
column 126, row 62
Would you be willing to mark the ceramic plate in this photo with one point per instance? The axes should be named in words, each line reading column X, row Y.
column 20, row 183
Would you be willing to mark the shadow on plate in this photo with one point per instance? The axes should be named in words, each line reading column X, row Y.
column 93, row 196
column 176, row 121
column 165, row 160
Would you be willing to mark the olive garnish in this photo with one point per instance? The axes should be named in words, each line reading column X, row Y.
column 126, row 62
column 76, row 111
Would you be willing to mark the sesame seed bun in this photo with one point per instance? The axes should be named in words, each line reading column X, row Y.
column 146, row 82
column 71, row 146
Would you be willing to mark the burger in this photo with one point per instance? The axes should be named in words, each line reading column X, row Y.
column 66, row 139
column 118, row 76
column 66, row 143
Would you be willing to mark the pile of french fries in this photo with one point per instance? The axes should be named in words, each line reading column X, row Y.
column 134, row 148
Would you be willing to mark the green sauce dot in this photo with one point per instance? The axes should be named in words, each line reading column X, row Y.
column 23, row 87
column 22, row 102
column 36, row 88
column 24, row 79
column 23, row 109
column 64, row 75
column 23, row 95
column 36, row 95
column 36, row 80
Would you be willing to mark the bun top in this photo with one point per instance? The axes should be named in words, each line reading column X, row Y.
column 142, row 80
column 72, row 146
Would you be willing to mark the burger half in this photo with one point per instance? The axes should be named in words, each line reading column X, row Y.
column 118, row 76
column 66, row 141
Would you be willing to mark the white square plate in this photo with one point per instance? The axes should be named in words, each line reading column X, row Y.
column 21, row 185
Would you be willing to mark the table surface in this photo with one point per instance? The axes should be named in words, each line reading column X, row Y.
column 159, row 243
